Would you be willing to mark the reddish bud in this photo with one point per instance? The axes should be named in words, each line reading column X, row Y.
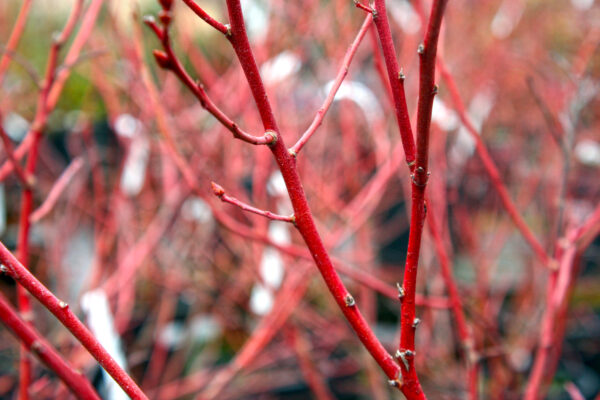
column 162, row 59
column 165, row 17
column 217, row 189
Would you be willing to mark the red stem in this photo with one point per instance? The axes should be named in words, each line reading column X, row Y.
column 34, row 342
column 364, row 278
column 551, row 337
column 396, row 78
column 63, row 313
column 304, row 219
column 207, row 18
column 7, row 168
column 427, row 90
column 41, row 116
column 169, row 60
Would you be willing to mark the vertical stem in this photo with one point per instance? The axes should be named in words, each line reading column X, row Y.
column 22, row 296
column 427, row 90
column 27, row 208
column 396, row 78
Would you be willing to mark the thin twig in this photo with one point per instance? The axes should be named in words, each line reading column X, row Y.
column 396, row 79
column 169, row 60
column 343, row 71
column 206, row 18
column 57, row 189
column 220, row 193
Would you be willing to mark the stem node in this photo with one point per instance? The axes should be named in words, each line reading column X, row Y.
column 349, row 300
column 401, row 291
column 401, row 75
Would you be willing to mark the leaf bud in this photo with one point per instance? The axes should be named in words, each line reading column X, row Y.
column 162, row 59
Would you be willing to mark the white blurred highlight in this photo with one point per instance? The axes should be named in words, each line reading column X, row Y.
column 507, row 18
column 280, row 67
column 582, row 4
column 100, row 320
column 405, row 16
column 587, row 152
column 134, row 171
column 444, row 117
column 15, row 126
column 136, row 161
column 196, row 209
column 360, row 94
column 272, row 268
column 256, row 15
column 127, row 126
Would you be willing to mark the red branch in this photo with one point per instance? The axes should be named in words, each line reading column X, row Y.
column 396, row 78
column 38, row 346
column 207, row 18
column 62, row 311
column 304, row 220
column 467, row 341
column 168, row 60
column 427, row 90
column 287, row 166
column 220, row 193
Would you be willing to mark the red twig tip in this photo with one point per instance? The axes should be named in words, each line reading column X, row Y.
column 361, row 6
column 217, row 189
column 162, row 59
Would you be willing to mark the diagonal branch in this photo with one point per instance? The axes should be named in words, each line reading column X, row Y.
column 61, row 310
column 47, row 354
column 207, row 18
column 168, row 60
column 295, row 149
